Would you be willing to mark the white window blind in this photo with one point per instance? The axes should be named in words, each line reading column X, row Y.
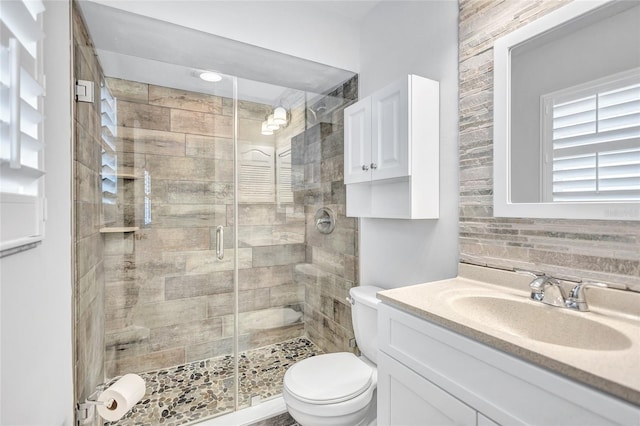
column 256, row 177
column 591, row 141
column 21, row 125
column 109, row 158
column 283, row 167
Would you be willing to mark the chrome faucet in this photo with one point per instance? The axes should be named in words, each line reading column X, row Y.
column 577, row 299
column 547, row 290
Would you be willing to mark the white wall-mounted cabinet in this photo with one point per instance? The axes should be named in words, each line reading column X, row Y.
column 377, row 139
column 430, row 375
column 391, row 161
column 357, row 142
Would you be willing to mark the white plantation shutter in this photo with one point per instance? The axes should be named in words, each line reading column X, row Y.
column 21, row 130
column 283, row 167
column 109, row 157
column 256, row 177
column 591, row 141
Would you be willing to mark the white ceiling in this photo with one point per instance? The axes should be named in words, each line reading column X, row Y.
column 353, row 10
column 141, row 48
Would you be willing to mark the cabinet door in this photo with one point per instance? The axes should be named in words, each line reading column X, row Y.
column 407, row 399
column 390, row 141
column 357, row 142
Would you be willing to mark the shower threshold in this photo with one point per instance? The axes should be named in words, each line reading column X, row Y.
column 199, row 390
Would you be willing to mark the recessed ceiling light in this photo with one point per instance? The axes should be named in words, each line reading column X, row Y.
column 210, row 76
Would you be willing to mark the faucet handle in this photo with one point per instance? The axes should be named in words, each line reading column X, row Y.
column 538, row 284
column 577, row 299
column 539, row 279
column 537, row 287
column 533, row 274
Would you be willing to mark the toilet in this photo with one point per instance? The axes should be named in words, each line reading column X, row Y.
column 339, row 389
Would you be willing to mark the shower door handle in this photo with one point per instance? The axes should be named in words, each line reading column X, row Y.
column 220, row 242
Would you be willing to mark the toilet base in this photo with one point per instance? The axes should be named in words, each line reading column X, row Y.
column 367, row 416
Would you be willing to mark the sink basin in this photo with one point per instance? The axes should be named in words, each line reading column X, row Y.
column 532, row 320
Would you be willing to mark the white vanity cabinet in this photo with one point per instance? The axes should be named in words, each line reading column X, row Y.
column 408, row 399
column 428, row 374
column 391, row 154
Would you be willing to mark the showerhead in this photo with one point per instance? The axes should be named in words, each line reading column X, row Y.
column 311, row 113
column 316, row 111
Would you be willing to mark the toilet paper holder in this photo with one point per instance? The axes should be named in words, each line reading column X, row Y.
column 86, row 411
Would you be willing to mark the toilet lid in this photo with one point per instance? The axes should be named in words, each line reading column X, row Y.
column 328, row 379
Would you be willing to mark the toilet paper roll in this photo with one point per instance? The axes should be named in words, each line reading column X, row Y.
column 121, row 396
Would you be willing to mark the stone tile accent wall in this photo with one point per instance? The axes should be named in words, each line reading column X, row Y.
column 88, row 289
column 596, row 250
column 331, row 259
column 168, row 299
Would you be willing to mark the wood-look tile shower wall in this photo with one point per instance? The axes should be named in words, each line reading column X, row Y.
column 168, row 300
column 156, row 297
column 331, row 267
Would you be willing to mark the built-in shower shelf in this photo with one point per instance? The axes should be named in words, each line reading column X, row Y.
column 127, row 176
column 124, row 176
column 115, row 229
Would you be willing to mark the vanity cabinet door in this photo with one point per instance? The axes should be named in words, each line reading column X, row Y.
column 357, row 142
column 407, row 399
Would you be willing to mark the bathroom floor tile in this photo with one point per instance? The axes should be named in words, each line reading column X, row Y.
column 284, row 419
column 203, row 389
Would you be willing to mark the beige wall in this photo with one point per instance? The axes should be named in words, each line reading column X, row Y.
column 589, row 249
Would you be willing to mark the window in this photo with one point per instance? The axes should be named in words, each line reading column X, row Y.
column 256, row 177
column 283, row 168
column 109, row 158
column 21, row 132
column 591, row 141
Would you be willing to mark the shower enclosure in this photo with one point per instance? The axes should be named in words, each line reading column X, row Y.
column 198, row 262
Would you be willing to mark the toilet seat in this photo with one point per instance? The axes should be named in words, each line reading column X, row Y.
column 329, row 379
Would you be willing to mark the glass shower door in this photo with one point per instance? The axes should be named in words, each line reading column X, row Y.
column 271, row 233
column 169, row 250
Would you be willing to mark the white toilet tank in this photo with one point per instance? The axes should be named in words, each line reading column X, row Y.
column 364, row 316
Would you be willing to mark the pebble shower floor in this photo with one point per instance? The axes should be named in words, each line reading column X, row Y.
column 203, row 389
